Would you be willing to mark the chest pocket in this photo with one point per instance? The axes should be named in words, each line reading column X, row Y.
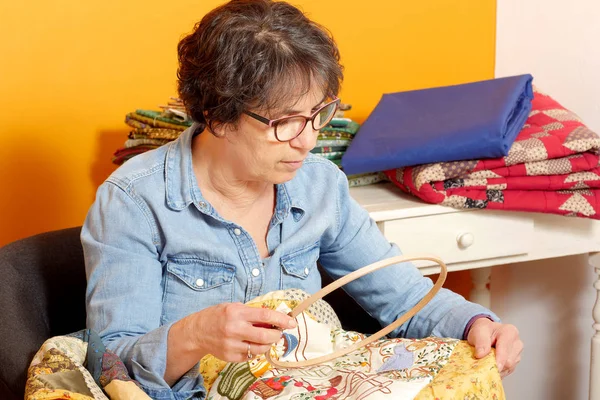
column 193, row 284
column 299, row 269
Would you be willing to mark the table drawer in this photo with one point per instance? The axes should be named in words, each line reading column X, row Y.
column 462, row 236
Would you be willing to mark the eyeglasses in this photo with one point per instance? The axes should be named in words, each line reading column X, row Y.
column 289, row 128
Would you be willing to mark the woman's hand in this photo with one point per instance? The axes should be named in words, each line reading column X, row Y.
column 233, row 331
column 229, row 331
column 485, row 333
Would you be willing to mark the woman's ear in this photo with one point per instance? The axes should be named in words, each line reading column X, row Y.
column 212, row 126
column 220, row 129
column 217, row 129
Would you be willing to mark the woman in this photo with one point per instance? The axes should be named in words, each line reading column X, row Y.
column 180, row 237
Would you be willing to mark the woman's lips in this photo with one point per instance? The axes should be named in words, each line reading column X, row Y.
column 293, row 164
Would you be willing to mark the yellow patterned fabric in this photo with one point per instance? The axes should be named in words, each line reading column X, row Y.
column 210, row 366
column 465, row 377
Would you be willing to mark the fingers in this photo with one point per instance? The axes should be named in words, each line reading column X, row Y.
column 232, row 326
column 513, row 359
column 262, row 336
column 235, row 350
column 510, row 365
column 480, row 337
column 264, row 325
column 506, row 372
column 265, row 317
column 241, row 351
column 237, row 318
column 505, row 338
column 256, row 349
column 508, row 347
column 257, row 326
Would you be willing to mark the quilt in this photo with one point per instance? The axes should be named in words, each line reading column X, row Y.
column 552, row 167
column 79, row 367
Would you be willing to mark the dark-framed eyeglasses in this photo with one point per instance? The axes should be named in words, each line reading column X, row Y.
column 290, row 127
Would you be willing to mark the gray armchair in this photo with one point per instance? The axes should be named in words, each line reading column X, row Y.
column 42, row 294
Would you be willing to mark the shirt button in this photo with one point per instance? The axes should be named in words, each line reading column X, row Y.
column 199, row 282
column 255, row 272
column 305, row 271
column 237, row 232
column 202, row 204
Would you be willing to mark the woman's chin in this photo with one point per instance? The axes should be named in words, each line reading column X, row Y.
column 282, row 176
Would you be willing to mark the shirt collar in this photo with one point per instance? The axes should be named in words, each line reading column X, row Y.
column 180, row 180
column 291, row 195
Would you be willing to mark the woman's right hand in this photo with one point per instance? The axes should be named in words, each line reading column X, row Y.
column 232, row 331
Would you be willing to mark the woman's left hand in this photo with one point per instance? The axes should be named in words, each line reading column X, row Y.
column 485, row 333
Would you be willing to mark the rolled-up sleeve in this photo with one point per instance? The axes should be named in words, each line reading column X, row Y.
column 125, row 287
column 355, row 242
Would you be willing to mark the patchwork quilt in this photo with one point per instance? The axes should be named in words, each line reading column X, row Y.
column 553, row 166
column 431, row 368
column 57, row 371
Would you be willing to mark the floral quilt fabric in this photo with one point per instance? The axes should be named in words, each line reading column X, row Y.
column 431, row 368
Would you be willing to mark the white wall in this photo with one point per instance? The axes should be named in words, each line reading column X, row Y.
column 550, row 302
column 558, row 42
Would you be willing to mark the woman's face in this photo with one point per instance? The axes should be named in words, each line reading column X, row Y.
column 257, row 155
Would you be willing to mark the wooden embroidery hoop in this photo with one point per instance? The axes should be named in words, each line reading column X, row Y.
column 349, row 278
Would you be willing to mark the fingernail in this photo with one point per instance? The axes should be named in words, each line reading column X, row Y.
column 292, row 323
column 500, row 366
column 480, row 351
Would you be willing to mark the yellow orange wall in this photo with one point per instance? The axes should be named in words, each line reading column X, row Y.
column 71, row 70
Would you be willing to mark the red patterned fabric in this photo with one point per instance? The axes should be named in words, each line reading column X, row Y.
column 552, row 167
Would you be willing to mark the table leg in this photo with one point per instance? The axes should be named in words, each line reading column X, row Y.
column 480, row 293
column 381, row 225
column 594, row 260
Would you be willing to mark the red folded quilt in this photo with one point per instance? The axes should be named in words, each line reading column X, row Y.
column 552, row 167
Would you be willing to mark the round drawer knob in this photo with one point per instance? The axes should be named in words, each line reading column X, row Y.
column 465, row 240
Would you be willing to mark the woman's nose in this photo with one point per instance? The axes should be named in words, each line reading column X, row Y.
column 307, row 139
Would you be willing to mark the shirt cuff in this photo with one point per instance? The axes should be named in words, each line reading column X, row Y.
column 189, row 386
column 472, row 320
column 455, row 322
column 146, row 361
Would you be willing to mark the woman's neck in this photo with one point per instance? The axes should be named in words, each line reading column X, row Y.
column 220, row 182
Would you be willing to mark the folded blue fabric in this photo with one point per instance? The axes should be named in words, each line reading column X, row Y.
column 463, row 122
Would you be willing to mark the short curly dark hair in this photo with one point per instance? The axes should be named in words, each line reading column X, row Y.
column 249, row 54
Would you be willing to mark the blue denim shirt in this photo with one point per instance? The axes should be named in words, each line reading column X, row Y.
column 156, row 251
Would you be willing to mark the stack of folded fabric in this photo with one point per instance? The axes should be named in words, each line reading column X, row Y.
column 152, row 129
column 334, row 140
column 496, row 144
column 553, row 166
